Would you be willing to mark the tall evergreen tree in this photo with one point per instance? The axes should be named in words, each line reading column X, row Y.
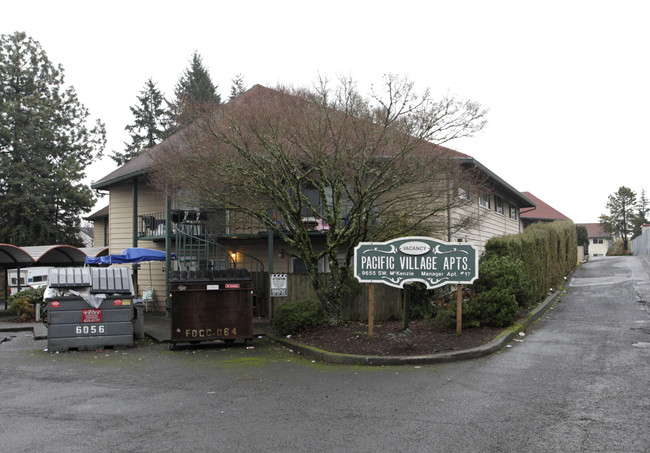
column 237, row 86
column 193, row 92
column 641, row 217
column 45, row 145
column 621, row 214
column 151, row 123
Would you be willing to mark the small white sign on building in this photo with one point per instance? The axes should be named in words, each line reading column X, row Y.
column 278, row 285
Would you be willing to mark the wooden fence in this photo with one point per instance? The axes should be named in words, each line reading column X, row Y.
column 388, row 300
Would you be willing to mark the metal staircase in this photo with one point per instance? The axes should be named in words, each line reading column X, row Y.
column 197, row 250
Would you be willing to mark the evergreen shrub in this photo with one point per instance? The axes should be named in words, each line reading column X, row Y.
column 23, row 303
column 423, row 302
column 496, row 307
column 294, row 317
column 505, row 272
column 500, row 291
column 516, row 272
column 547, row 251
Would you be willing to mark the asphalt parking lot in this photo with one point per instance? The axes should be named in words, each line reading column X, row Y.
column 576, row 381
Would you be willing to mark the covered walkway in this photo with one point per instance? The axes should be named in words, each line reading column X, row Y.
column 12, row 256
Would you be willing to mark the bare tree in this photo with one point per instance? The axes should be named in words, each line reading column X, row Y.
column 367, row 168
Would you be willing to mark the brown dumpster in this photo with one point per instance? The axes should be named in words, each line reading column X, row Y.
column 211, row 305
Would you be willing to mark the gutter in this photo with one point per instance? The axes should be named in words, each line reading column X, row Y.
column 104, row 184
column 521, row 197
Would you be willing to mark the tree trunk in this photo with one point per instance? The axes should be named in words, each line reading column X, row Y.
column 330, row 292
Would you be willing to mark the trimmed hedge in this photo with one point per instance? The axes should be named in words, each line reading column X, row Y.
column 548, row 251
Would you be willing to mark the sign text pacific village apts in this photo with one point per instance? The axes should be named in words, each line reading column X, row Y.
column 416, row 259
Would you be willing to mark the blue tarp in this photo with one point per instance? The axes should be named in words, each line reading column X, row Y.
column 130, row 255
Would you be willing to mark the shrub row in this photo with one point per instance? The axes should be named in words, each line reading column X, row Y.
column 515, row 272
column 547, row 250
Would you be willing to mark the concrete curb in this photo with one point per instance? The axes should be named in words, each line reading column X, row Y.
column 39, row 332
column 495, row 345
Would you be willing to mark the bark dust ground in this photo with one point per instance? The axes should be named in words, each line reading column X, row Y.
column 422, row 337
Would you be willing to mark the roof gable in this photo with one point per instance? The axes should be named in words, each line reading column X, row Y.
column 142, row 164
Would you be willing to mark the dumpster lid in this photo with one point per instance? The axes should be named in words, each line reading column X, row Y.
column 111, row 280
column 69, row 277
column 231, row 275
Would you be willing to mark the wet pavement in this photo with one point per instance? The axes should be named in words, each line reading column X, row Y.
column 577, row 380
column 157, row 326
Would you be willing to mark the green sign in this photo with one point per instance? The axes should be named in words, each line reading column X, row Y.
column 416, row 259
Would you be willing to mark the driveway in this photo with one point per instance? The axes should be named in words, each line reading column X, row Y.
column 577, row 381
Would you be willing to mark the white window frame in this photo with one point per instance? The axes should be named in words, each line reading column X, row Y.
column 498, row 205
column 513, row 212
column 484, row 201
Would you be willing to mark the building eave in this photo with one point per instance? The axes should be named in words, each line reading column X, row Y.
column 105, row 183
column 522, row 200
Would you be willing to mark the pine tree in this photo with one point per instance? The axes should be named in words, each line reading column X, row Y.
column 237, row 86
column 641, row 217
column 621, row 214
column 151, row 123
column 194, row 92
column 45, row 145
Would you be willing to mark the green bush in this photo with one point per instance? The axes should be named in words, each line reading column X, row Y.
column 23, row 304
column 293, row 317
column 496, row 307
column 516, row 272
column 618, row 249
column 547, row 250
column 498, row 294
column 422, row 301
column 508, row 273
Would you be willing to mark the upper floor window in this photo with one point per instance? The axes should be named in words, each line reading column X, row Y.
column 484, row 201
column 513, row 212
column 598, row 241
column 498, row 205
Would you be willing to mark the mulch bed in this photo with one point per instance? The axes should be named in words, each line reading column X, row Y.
column 423, row 337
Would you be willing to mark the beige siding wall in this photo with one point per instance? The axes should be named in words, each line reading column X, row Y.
column 99, row 233
column 121, row 234
column 153, row 274
column 491, row 224
column 120, row 213
column 598, row 249
column 282, row 261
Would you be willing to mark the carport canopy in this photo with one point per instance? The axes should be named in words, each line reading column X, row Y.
column 12, row 256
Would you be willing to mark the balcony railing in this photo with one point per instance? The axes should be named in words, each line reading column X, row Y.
column 218, row 224
column 152, row 225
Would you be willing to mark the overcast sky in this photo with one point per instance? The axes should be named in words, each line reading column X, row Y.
column 567, row 83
